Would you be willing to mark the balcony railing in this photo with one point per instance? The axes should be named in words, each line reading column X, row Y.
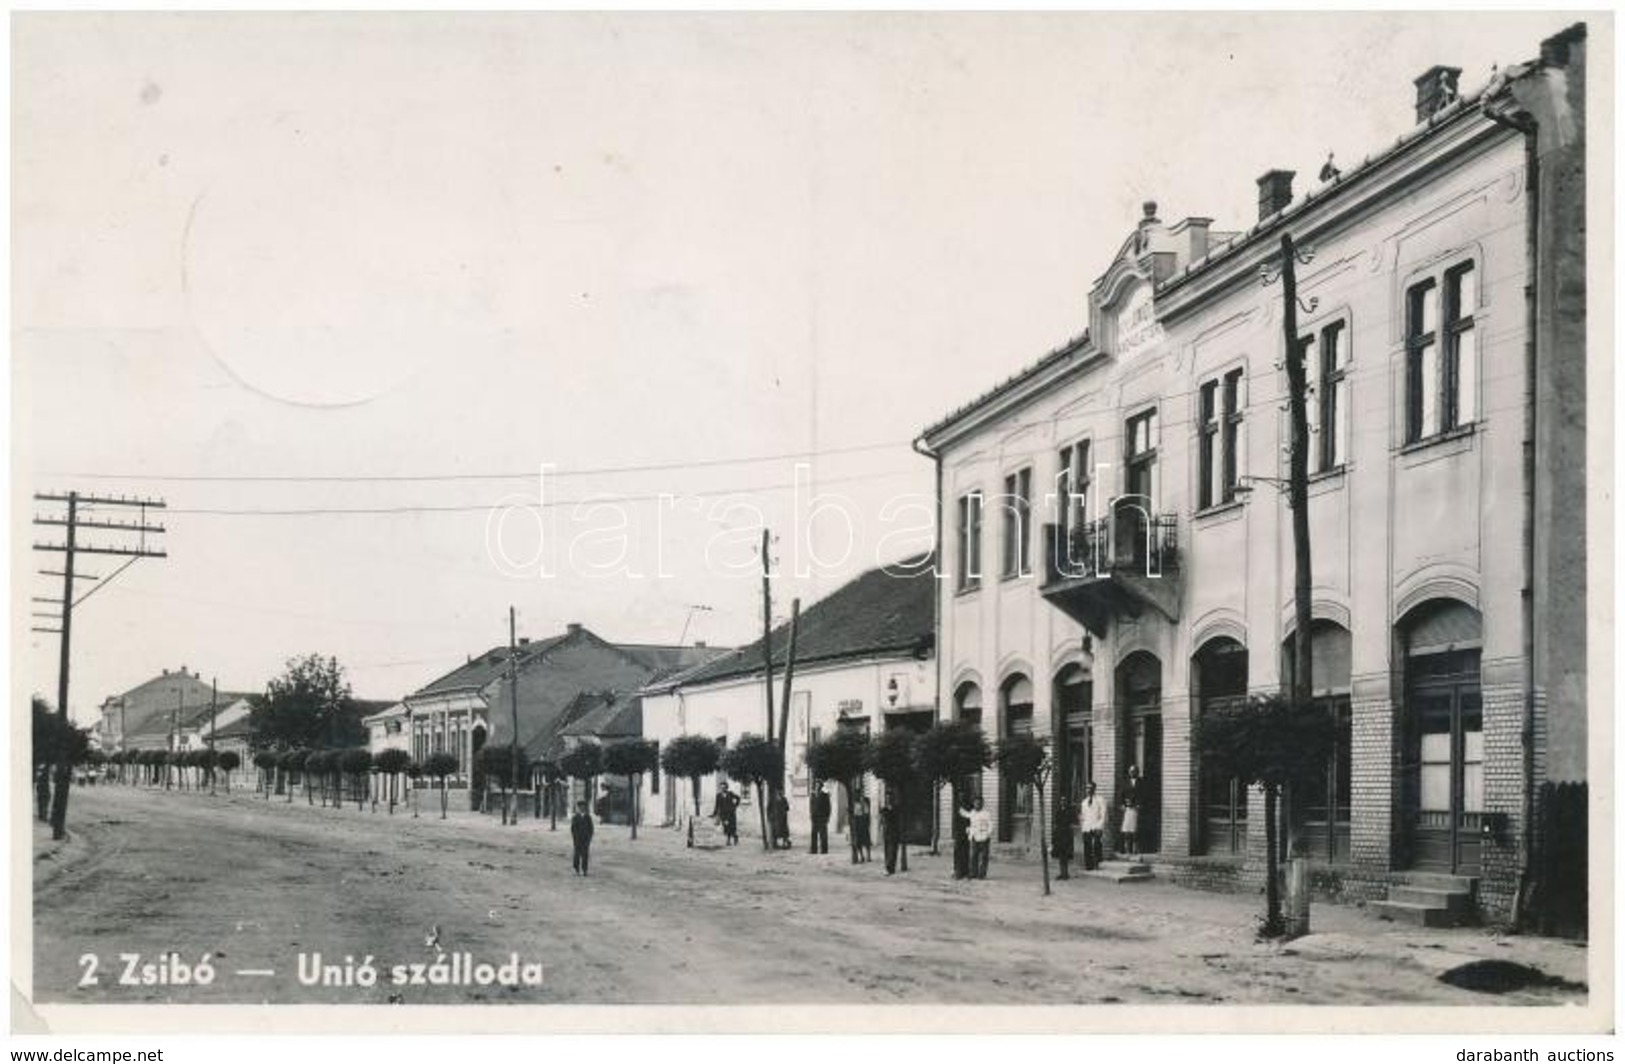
column 1130, row 542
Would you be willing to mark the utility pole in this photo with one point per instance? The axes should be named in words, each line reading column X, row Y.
column 214, row 711
column 72, row 522
column 767, row 634
column 789, row 676
column 174, row 736
column 1297, row 378
column 513, row 706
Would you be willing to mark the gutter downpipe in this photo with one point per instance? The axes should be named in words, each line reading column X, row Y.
column 936, row 613
column 1527, row 127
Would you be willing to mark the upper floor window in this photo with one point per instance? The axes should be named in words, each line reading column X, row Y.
column 1072, row 485
column 1326, row 361
column 1441, row 354
column 1220, row 440
column 1017, row 516
column 970, row 541
column 1140, row 455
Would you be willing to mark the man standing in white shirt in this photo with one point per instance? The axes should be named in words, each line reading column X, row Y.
column 980, row 833
column 1092, row 819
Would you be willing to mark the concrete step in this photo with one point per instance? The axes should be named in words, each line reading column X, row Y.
column 1440, row 881
column 1407, row 912
column 1120, row 872
column 1456, row 901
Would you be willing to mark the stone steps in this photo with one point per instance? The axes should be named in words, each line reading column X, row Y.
column 1120, row 871
column 1429, row 899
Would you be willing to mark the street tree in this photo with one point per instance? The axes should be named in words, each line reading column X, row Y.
column 843, row 757
column 755, row 762
column 392, row 763
column 265, row 761
column 229, row 762
column 950, row 753
column 584, row 763
column 414, row 773
column 894, row 760
column 1269, row 742
column 357, row 763
column 632, row 758
column 439, row 766
column 552, row 775
column 308, row 705
column 56, row 742
column 498, row 763
column 691, row 757
column 1025, row 762
column 288, row 764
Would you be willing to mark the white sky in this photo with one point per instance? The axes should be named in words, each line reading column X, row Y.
column 385, row 245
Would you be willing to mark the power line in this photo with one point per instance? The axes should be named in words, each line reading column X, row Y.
column 412, row 478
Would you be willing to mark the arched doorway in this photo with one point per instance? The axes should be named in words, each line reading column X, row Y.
column 1442, row 796
column 1016, row 803
column 1075, row 752
column 1139, row 700
column 1219, row 679
column 968, row 708
column 1326, row 803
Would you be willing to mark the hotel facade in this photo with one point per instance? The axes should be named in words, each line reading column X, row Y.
column 1118, row 544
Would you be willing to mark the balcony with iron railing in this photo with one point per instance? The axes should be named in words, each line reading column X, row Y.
column 1114, row 566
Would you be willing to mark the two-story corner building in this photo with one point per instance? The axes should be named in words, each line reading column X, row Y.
column 149, row 709
column 1119, row 556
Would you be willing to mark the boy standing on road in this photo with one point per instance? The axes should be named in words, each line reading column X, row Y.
column 581, row 835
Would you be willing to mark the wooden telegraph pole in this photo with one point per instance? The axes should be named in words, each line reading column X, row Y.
column 70, row 549
column 513, row 708
column 767, row 634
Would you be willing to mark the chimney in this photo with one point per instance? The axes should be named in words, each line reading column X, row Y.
column 1274, row 192
column 699, row 644
column 524, row 640
column 573, row 628
column 1436, row 90
column 166, row 672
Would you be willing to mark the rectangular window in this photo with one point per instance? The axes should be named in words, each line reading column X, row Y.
column 1441, row 347
column 1331, row 421
column 970, row 541
column 1072, row 485
column 1220, row 440
column 1016, row 509
column 1140, row 456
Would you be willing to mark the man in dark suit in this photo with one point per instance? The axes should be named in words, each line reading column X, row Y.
column 726, row 811
column 891, row 830
column 961, row 830
column 581, row 835
column 820, row 819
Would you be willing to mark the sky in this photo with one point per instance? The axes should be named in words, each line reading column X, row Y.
column 353, row 293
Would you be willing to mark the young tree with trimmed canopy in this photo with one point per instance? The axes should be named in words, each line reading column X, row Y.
column 584, row 763
column 229, row 762
column 755, row 762
column 692, row 757
column 894, row 761
column 357, row 763
column 392, row 763
column 1025, row 762
column 950, row 753
column 440, row 766
column 843, row 757
column 1270, row 742
column 632, row 758
column 498, row 763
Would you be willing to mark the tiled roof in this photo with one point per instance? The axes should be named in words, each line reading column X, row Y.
column 484, row 668
column 889, row 610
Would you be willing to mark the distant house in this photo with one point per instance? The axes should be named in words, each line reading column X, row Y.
column 470, row 706
column 604, row 718
column 864, row 660
column 150, row 711
column 388, row 730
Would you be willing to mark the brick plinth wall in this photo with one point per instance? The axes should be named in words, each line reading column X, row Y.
column 1373, row 786
column 1177, row 767
column 1503, row 795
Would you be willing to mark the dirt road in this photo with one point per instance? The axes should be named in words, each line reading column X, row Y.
column 253, row 884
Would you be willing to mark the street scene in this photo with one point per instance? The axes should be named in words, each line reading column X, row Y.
column 253, row 884
column 827, row 510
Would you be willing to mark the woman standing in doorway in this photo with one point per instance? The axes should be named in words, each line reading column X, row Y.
column 1130, row 842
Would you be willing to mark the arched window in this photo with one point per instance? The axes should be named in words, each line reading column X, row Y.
column 968, row 703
